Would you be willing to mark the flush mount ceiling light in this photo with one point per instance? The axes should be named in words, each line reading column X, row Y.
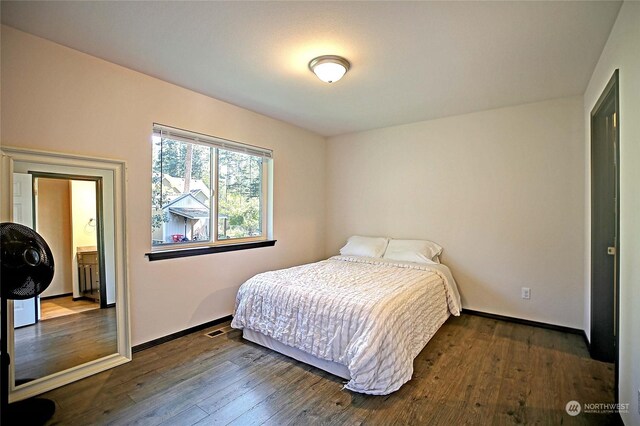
column 329, row 68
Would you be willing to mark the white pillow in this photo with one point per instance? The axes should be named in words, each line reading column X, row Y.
column 420, row 251
column 364, row 246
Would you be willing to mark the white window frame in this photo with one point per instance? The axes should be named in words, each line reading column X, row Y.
column 186, row 136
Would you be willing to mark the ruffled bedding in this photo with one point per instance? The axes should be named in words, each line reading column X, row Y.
column 372, row 315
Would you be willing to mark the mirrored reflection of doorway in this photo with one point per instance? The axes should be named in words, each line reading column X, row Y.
column 74, row 320
column 111, row 207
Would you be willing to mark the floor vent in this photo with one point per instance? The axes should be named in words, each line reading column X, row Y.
column 218, row 332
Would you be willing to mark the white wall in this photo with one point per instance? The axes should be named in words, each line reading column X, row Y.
column 501, row 190
column 58, row 99
column 83, row 208
column 54, row 224
column 622, row 52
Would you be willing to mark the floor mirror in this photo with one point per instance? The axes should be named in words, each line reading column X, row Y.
column 80, row 325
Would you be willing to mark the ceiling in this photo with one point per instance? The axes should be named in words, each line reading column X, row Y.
column 411, row 61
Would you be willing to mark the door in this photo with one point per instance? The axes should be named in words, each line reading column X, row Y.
column 605, row 201
column 24, row 311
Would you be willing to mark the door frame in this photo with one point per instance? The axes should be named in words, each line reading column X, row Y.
column 99, row 221
column 612, row 87
column 116, row 169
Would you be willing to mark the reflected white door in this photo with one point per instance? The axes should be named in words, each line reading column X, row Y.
column 24, row 311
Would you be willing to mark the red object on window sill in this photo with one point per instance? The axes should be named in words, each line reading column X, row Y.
column 177, row 238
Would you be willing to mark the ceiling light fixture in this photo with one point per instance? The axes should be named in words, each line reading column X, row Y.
column 329, row 68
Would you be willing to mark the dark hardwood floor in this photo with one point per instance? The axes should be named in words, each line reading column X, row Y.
column 60, row 343
column 474, row 371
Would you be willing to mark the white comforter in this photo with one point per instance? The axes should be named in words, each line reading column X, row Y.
column 372, row 315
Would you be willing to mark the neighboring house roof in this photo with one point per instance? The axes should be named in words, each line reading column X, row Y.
column 187, row 205
column 177, row 185
column 190, row 213
column 182, row 197
column 200, row 195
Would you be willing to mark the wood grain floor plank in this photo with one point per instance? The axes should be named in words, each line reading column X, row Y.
column 162, row 406
column 286, row 395
column 295, row 408
column 188, row 417
column 474, row 371
column 265, row 368
column 158, row 403
column 162, row 382
column 324, row 410
column 247, row 398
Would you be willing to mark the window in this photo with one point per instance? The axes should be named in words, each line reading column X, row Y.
column 207, row 191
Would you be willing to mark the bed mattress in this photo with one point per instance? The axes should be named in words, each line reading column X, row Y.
column 369, row 315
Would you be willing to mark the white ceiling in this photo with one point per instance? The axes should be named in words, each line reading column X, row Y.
column 411, row 61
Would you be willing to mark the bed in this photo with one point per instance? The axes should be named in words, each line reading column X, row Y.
column 361, row 318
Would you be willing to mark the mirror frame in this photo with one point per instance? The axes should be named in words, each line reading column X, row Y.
column 123, row 328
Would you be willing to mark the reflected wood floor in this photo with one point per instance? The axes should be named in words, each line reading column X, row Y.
column 61, row 306
column 57, row 344
column 475, row 370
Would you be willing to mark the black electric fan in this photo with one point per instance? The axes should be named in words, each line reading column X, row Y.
column 27, row 270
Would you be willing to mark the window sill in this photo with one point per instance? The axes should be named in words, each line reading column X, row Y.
column 173, row 254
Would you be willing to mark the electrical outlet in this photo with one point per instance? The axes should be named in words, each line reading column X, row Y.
column 526, row 293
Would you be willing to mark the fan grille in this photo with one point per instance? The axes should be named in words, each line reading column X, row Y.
column 27, row 262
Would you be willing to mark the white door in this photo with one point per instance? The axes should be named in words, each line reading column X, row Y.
column 24, row 311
